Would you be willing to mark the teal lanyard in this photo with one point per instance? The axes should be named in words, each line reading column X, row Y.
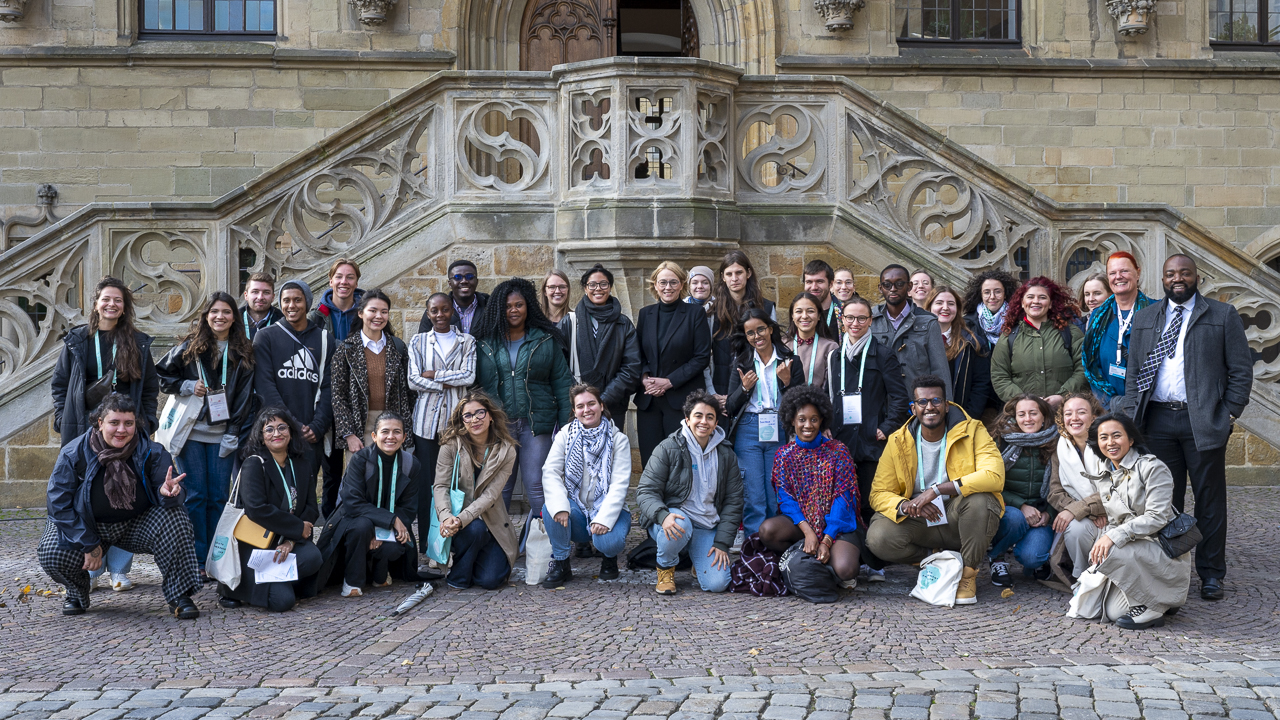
column 862, row 368
column 395, row 475
column 97, row 353
column 287, row 492
column 205, row 380
column 813, row 359
column 247, row 324
column 941, row 474
column 760, row 380
column 831, row 313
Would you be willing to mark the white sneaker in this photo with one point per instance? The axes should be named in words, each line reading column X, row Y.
column 875, row 576
column 738, row 539
column 97, row 582
column 384, row 584
column 850, row 584
column 120, row 582
column 348, row 591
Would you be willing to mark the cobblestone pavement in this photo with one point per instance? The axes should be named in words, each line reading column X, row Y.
column 616, row 649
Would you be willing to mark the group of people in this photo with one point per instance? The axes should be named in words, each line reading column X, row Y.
column 986, row 421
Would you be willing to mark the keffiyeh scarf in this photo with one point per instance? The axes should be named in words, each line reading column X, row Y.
column 992, row 323
column 589, row 447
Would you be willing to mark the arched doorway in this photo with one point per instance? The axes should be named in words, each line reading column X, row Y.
column 563, row 31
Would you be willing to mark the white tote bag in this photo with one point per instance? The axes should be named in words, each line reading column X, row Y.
column 537, row 552
column 1087, row 595
column 939, row 578
column 179, row 416
column 223, row 563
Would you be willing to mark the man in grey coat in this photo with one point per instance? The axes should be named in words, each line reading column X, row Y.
column 1190, row 375
column 912, row 332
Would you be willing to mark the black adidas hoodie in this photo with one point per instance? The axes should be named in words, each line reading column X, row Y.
column 286, row 373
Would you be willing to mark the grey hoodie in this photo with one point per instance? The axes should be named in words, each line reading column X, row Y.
column 701, row 504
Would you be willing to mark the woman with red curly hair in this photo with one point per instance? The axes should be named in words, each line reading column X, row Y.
column 1039, row 350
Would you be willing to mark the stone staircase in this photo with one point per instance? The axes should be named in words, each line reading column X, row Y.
column 626, row 161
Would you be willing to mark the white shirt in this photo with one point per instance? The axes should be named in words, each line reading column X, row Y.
column 767, row 379
column 1171, row 380
column 374, row 347
column 445, row 342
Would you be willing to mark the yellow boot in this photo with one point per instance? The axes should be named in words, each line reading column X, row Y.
column 666, row 581
column 967, row 593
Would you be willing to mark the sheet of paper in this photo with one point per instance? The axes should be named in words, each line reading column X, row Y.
column 384, row 534
column 937, row 502
column 267, row 570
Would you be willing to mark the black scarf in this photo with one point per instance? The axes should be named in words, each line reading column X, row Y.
column 118, row 479
column 591, row 339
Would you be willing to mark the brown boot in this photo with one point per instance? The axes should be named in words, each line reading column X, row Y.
column 666, row 581
column 967, row 593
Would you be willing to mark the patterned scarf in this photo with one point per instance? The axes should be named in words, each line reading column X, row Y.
column 594, row 446
column 815, row 476
column 1091, row 352
column 118, row 478
column 1016, row 442
column 992, row 323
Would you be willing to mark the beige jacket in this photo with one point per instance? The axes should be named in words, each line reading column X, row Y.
column 485, row 492
column 1138, row 497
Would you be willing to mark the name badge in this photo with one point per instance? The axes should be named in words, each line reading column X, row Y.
column 1116, row 371
column 852, row 409
column 942, row 520
column 218, row 410
column 384, row 534
column 768, row 426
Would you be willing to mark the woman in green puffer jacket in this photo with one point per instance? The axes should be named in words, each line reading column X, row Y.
column 1028, row 438
column 520, row 362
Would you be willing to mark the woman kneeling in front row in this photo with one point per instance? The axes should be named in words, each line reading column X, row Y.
column 277, row 489
column 1137, row 492
column 817, row 488
column 377, row 504
column 477, row 454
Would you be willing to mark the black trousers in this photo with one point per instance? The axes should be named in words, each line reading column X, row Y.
column 360, row 559
column 867, row 473
column 426, row 452
column 1169, row 438
column 332, row 481
column 655, row 425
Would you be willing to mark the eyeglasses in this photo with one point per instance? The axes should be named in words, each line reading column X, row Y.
column 477, row 415
column 762, row 332
column 895, row 285
column 467, row 278
column 668, row 283
column 281, row 429
column 597, row 286
column 557, row 288
column 930, row 402
column 857, row 319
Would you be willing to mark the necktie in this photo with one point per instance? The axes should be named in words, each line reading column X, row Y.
column 1165, row 348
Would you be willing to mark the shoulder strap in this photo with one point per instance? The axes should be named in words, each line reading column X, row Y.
column 573, row 347
column 1065, row 334
column 324, row 351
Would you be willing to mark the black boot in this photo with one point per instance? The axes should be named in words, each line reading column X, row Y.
column 609, row 569
column 558, row 573
column 72, row 607
column 184, row 609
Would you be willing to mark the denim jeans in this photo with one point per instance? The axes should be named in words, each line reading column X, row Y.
column 117, row 562
column 1030, row 545
column 530, row 456
column 699, row 541
column 760, row 500
column 609, row 544
column 207, row 484
column 477, row 558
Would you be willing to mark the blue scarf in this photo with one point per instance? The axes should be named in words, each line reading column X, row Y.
column 814, row 445
column 1091, row 353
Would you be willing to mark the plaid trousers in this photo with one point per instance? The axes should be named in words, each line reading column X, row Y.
column 164, row 533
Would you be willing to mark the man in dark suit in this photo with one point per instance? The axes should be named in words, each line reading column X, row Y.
column 1189, row 378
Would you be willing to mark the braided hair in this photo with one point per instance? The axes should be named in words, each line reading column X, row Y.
column 493, row 323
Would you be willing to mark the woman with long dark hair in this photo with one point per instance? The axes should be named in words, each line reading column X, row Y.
column 764, row 370
column 277, row 490
column 520, row 362
column 810, row 338
column 967, row 352
column 736, row 291
column 108, row 355
column 1039, row 353
column 1028, row 439
column 370, row 371
column 214, row 362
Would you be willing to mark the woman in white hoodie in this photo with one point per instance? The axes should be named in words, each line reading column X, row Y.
column 584, row 483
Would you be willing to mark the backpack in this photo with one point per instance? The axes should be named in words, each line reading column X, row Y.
column 645, row 556
column 807, row 578
column 757, row 571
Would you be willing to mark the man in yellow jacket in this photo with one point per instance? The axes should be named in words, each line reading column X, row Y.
column 941, row 465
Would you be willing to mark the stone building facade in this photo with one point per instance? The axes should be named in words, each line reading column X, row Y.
column 1064, row 137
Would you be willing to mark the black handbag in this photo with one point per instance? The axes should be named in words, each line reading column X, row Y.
column 807, row 577
column 1179, row 536
column 98, row 391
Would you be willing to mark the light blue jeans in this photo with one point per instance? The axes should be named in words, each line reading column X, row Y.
column 760, row 500
column 609, row 544
column 699, row 541
column 1030, row 545
column 530, row 457
column 117, row 562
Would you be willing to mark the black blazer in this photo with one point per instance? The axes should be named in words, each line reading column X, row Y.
column 971, row 376
column 736, row 404
column 263, row 498
column 1218, row 367
column 884, row 400
column 482, row 299
column 680, row 356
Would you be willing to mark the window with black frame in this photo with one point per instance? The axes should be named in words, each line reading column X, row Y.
column 208, row 17
column 1245, row 23
column 980, row 22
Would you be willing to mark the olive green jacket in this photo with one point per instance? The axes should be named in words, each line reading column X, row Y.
column 1037, row 363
